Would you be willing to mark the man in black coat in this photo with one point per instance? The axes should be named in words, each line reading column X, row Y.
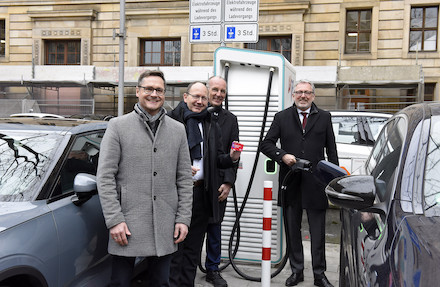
column 304, row 190
column 229, row 127
column 207, row 157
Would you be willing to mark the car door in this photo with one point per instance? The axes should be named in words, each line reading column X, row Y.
column 366, row 235
column 81, row 230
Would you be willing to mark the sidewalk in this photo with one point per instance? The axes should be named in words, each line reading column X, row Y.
column 235, row 280
column 333, row 228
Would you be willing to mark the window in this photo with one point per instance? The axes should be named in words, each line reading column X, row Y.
column 384, row 158
column 357, row 130
column 423, row 29
column 429, row 92
column 280, row 44
column 82, row 158
column 358, row 31
column 160, row 53
column 63, row 52
column 2, row 37
column 432, row 171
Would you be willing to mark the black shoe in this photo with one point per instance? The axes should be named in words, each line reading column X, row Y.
column 216, row 279
column 323, row 282
column 294, row 279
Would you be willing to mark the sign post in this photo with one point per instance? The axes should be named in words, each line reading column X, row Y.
column 220, row 21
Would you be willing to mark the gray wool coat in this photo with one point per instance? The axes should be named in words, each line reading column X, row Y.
column 145, row 181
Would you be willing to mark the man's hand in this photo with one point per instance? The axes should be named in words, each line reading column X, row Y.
column 194, row 170
column 289, row 159
column 119, row 233
column 223, row 191
column 180, row 232
column 234, row 154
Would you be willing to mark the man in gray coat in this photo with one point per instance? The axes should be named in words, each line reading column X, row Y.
column 145, row 185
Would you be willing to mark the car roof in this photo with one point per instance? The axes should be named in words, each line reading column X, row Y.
column 36, row 115
column 54, row 124
column 360, row 113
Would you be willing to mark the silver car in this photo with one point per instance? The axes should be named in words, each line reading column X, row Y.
column 355, row 133
column 52, row 231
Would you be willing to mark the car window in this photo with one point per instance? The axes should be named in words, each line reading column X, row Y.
column 431, row 186
column 25, row 157
column 385, row 156
column 82, row 158
column 357, row 130
column 412, row 182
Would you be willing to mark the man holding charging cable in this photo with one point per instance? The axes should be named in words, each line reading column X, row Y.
column 305, row 132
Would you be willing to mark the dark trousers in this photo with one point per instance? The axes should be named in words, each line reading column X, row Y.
column 186, row 259
column 213, row 246
column 158, row 270
column 316, row 220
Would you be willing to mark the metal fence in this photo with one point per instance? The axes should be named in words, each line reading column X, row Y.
column 59, row 106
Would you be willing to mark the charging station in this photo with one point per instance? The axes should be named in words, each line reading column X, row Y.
column 259, row 85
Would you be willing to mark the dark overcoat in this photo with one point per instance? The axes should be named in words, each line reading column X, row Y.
column 311, row 144
column 214, row 159
column 229, row 128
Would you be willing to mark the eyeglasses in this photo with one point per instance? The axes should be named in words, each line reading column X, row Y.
column 215, row 90
column 307, row 93
column 196, row 97
column 150, row 90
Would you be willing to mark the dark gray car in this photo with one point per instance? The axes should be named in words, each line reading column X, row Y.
column 52, row 231
column 390, row 215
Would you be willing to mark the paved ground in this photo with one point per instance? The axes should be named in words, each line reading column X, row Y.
column 254, row 270
column 235, row 280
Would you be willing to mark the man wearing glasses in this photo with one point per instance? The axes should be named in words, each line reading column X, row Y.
column 207, row 157
column 304, row 132
column 145, row 186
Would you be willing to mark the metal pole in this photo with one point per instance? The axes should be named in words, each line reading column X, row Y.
column 267, row 234
column 121, row 36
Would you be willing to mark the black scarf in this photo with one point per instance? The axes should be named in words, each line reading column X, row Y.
column 192, row 121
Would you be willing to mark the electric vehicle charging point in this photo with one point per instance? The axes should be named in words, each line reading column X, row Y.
column 259, row 85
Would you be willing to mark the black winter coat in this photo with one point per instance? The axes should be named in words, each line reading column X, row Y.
column 310, row 145
column 214, row 159
column 229, row 127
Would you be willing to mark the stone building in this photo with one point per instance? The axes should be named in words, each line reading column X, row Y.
column 66, row 53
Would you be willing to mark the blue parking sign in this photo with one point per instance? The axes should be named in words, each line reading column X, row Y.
column 230, row 33
column 196, row 33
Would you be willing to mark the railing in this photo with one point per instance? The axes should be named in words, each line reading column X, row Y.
column 60, row 107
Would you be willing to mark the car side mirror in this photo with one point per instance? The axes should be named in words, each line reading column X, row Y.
column 85, row 187
column 355, row 191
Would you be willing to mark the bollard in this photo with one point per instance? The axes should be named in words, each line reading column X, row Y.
column 267, row 234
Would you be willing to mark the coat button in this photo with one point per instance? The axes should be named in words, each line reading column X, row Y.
column 154, row 173
column 154, row 197
column 155, row 149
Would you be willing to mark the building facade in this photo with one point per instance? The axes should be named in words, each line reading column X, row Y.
column 386, row 53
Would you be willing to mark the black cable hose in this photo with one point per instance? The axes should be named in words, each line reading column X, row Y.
column 222, row 267
column 237, row 220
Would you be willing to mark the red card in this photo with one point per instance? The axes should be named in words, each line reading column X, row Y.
column 237, row 146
